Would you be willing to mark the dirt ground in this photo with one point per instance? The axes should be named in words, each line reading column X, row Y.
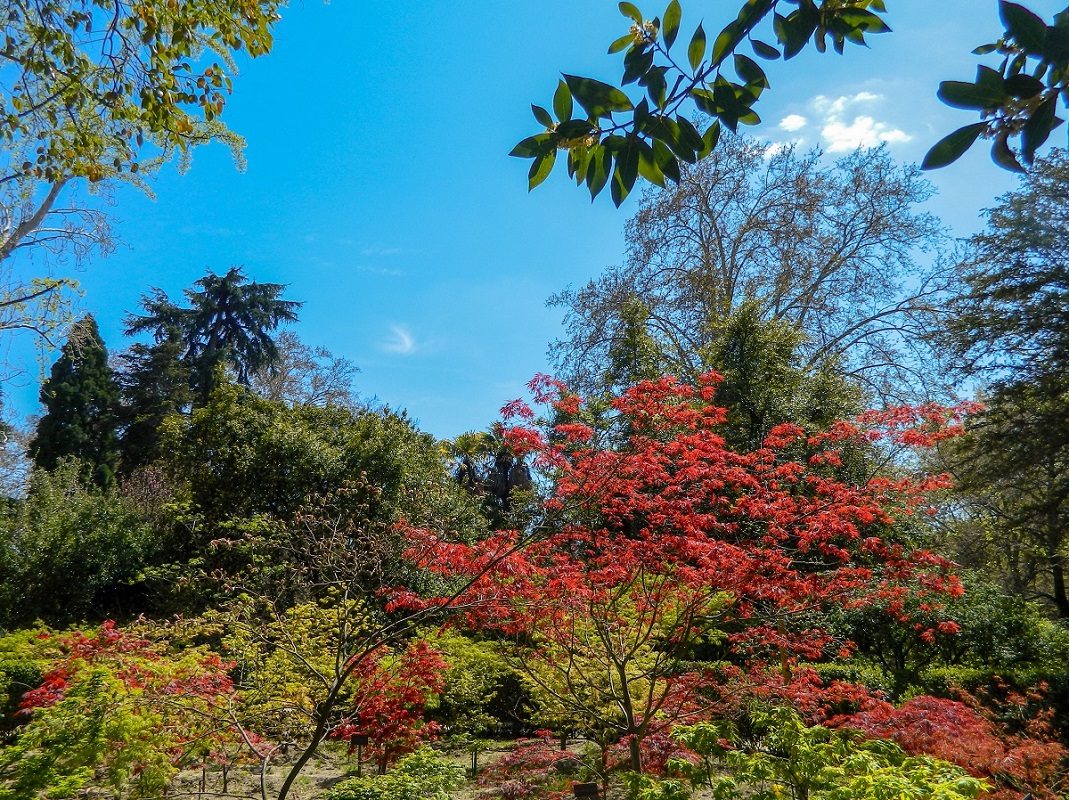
column 329, row 766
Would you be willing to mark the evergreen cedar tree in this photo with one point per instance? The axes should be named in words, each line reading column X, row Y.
column 672, row 540
column 608, row 139
column 81, row 400
column 229, row 321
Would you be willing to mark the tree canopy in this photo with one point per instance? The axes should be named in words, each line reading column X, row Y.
column 229, row 321
column 827, row 252
column 81, row 402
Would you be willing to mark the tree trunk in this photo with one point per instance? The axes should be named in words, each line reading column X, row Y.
column 318, row 735
column 1061, row 600
column 634, row 749
column 1057, row 568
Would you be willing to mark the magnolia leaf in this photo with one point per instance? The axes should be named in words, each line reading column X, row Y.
column 950, row 148
column 670, row 23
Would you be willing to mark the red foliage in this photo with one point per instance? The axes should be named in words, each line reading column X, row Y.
column 389, row 700
column 961, row 734
column 194, row 691
column 652, row 535
column 535, row 768
column 133, row 659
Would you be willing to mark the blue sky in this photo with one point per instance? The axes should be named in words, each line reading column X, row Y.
column 378, row 185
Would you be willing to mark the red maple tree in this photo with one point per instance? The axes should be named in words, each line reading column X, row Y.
column 389, row 699
column 665, row 541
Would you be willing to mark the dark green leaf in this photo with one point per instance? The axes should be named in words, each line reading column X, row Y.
column 764, row 50
column 532, row 146
column 578, row 162
column 666, row 161
column 657, row 87
column 1038, row 128
column 542, row 116
column 540, row 169
column 709, row 140
column 562, row 102
column 1056, row 48
column 950, row 148
column 794, row 31
column 622, row 43
column 1002, row 155
column 630, row 11
column 696, row 50
column 1028, row 30
column 597, row 99
column 627, row 160
column 574, row 129
column 1024, row 86
column 863, row 20
column 984, row 49
column 636, row 63
column 597, row 174
column 670, row 26
column 750, row 117
column 989, row 78
column 688, row 134
column 960, row 94
column 705, row 101
column 727, row 41
column 750, row 71
column 648, row 167
column 625, row 174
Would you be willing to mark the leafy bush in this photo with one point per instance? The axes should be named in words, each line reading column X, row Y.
column 963, row 735
column 535, row 768
column 483, row 695
column 419, row 776
column 781, row 756
column 955, row 642
column 70, row 553
column 115, row 715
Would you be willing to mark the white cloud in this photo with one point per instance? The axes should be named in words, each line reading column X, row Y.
column 862, row 132
column 402, row 342
column 793, row 122
column 392, row 273
column 379, row 250
column 842, row 130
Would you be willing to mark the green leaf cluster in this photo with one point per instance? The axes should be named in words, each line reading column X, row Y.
column 781, row 756
column 70, row 552
column 90, row 84
column 422, row 775
column 654, row 135
column 1018, row 99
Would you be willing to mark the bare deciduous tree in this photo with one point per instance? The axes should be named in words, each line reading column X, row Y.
column 306, row 376
column 838, row 251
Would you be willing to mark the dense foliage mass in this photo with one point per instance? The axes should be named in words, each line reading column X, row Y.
column 705, row 571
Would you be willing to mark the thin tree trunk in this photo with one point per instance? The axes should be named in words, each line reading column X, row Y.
column 1057, row 568
column 1061, row 599
column 318, row 735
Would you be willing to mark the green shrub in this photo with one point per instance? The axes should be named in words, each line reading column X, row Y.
column 419, row 776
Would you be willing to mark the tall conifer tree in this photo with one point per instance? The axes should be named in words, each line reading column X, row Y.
column 80, row 399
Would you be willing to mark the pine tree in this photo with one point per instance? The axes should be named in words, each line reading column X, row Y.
column 80, row 399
